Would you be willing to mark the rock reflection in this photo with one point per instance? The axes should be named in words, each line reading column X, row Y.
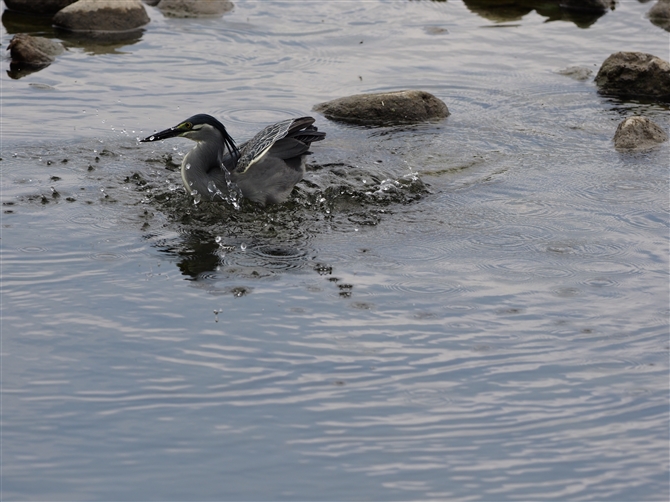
column 502, row 11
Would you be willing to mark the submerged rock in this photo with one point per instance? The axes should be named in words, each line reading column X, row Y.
column 588, row 5
column 33, row 51
column 102, row 16
column 577, row 72
column 194, row 8
column 659, row 14
column 635, row 74
column 385, row 108
column 39, row 7
column 638, row 133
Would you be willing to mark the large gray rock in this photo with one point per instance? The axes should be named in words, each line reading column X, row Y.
column 385, row 108
column 33, row 51
column 194, row 8
column 40, row 7
column 102, row 16
column 635, row 74
column 588, row 5
column 638, row 133
column 659, row 14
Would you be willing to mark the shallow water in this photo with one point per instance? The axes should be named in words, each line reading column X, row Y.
column 470, row 310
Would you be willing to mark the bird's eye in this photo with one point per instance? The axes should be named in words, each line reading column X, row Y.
column 188, row 125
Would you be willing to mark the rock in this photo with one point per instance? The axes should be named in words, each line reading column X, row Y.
column 661, row 9
column 39, row 7
column 498, row 12
column 385, row 108
column 577, row 72
column 659, row 14
column 638, row 133
column 588, row 5
column 33, row 51
column 194, row 8
column 635, row 74
column 102, row 16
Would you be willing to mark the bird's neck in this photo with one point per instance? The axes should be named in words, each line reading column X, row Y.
column 202, row 165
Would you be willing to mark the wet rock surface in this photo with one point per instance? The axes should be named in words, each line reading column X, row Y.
column 194, row 8
column 385, row 108
column 33, row 51
column 638, row 133
column 635, row 75
column 102, row 16
column 38, row 7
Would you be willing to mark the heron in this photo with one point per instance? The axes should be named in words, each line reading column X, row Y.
column 264, row 169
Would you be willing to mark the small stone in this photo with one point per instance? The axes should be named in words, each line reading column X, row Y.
column 638, row 133
column 102, row 15
column 33, row 51
column 385, row 108
column 659, row 14
column 634, row 74
column 38, row 7
column 661, row 9
column 194, row 8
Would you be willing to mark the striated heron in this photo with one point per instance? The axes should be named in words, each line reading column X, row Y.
column 265, row 168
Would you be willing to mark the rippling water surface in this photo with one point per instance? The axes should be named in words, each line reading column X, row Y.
column 469, row 310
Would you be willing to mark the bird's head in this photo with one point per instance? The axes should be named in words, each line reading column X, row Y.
column 201, row 127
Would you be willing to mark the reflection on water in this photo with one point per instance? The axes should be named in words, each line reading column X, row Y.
column 504, row 12
column 475, row 309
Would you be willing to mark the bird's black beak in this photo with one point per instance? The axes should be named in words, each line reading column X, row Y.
column 167, row 133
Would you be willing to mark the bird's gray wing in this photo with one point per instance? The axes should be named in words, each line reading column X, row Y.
column 257, row 146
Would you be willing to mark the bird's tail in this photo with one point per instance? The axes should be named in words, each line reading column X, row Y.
column 304, row 131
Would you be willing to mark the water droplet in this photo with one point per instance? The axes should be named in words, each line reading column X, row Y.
column 218, row 239
column 187, row 166
column 151, row 138
column 243, row 247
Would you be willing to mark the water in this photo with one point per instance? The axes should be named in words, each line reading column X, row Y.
column 475, row 309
